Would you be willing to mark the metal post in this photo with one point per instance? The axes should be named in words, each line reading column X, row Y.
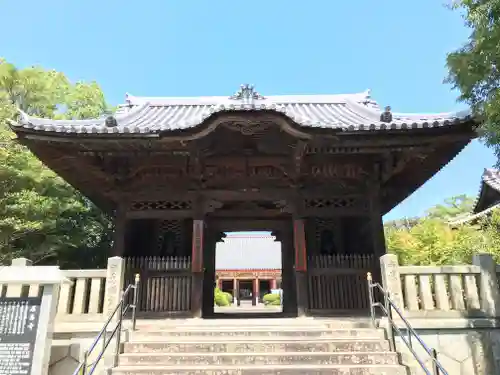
column 135, row 301
column 104, row 339
column 435, row 367
column 119, row 331
column 390, row 328
column 370, row 298
column 84, row 364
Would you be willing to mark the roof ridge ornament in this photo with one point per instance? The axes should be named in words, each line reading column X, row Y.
column 386, row 116
column 246, row 93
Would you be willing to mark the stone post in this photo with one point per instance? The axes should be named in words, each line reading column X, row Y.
column 21, row 262
column 115, row 278
column 15, row 290
column 391, row 279
column 488, row 284
column 50, row 277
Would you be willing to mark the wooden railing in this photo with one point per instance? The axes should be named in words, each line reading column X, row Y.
column 337, row 283
column 165, row 283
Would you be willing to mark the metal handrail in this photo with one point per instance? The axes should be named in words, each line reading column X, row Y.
column 85, row 368
column 387, row 307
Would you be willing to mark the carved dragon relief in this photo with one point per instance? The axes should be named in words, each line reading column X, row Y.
column 248, row 127
column 244, row 170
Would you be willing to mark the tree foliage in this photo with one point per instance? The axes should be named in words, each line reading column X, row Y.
column 42, row 217
column 474, row 69
column 433, row 241
column 452, row 207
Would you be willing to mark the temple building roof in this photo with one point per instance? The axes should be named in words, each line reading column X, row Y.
column 489, row 192
column 488, row 197
column 152, row 115
column 248, row 251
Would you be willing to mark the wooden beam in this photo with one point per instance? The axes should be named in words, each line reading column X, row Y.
column 159, row 214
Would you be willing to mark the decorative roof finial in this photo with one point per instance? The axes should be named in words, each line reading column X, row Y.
column 111, row 122
column 246, row 92
column 386, row 116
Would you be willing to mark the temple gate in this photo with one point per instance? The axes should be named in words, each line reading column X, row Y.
column 319, row 171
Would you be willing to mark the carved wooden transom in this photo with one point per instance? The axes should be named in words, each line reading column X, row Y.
column 161, row 205
column 337, row 202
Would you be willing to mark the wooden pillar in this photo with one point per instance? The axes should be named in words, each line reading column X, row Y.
column 209, row 243
column 235, row 287
column 289, row 300
column 299, row 239
column 118, row 249
column 255, row 291
column 197, row 268
column 237, row 292
column 272, row 284
column 377, row 231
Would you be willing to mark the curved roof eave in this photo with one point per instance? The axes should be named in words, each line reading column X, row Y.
column 490, row 180
column 151, row 116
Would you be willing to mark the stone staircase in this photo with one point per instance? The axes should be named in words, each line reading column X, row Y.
column 258, row 347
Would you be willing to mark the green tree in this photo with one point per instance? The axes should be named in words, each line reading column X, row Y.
column 452, row 207
column 434, row 242
column 474, row 70
column 431, row 240
column 41, row 216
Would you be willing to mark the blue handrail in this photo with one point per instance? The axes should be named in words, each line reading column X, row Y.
column 387, row 307
column 84, row 368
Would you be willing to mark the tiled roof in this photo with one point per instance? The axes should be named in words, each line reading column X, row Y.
column 243, row 252
column 145, row 115
column 490, row 180
column 485, row 201
column 491, row 177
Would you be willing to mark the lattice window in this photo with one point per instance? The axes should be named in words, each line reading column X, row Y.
column 337, row 203
column 161, row 205
column 331, row 202
column 323, row 224
column 169, row 241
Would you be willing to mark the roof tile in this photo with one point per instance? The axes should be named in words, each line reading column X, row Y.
column 141, row 115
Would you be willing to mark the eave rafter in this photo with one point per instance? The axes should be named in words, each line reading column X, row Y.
column 65, row 165
column 417, row 171
column 286, row 155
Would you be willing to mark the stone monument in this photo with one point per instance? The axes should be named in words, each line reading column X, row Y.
column 26, row 323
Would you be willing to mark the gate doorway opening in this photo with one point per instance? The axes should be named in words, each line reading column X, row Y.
column 248, row 268
column 249, row 258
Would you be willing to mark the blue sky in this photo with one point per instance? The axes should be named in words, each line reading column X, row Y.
column 189, row 48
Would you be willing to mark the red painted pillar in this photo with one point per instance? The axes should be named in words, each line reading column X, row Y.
column 197, row 268
column 299, row 239
column 273, row 284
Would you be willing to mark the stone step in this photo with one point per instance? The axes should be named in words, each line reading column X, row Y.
column 229, row 333
column 327, row 323
column 262, row 370
column 259, row 359
column 246, row 346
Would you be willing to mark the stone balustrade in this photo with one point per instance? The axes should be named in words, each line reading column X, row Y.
column 91, row 296
column 444, row 291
